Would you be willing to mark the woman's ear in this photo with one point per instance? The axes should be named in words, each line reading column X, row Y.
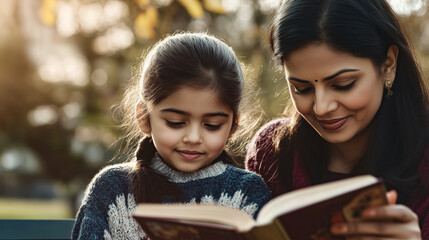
column 143, row 118
column 389, row 65
column 234, row 126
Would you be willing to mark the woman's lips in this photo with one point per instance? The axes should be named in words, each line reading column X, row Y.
column 189, row 155
column 333, row 124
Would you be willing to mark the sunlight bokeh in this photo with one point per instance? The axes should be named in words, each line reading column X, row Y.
column 406, row 7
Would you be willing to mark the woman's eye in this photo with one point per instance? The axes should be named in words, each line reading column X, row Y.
column 212, row 127
column 175, row 124
column 345, row 87
column 301, row 91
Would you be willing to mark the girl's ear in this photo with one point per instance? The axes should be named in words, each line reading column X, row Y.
column 389, row 65
column 143, row 118
column 234, row 126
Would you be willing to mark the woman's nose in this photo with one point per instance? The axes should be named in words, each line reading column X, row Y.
column 324, row 103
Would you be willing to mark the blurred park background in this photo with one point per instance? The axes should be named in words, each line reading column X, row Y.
column 64, row 63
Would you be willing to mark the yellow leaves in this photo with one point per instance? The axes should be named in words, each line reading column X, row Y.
column 146, row 22
column 194, row 7
column 47, row 12
column 142, row 3
column 215, row 6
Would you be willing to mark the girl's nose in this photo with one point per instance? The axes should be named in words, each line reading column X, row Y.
column 193, row 135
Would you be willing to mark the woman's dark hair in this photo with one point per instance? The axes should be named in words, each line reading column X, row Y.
column 195, row 60
column 363, row 28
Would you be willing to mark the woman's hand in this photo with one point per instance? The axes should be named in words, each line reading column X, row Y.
column 392, row 221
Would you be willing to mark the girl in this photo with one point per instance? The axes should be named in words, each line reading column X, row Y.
column 188, row 101
column 359, row 106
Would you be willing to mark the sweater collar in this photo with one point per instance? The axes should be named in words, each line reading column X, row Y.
column 176, row 176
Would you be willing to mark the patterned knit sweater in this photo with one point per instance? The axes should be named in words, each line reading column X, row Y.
column 106, row 209
column 261, row 159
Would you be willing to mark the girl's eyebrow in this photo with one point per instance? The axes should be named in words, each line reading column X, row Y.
column 326, row 78
column 214, row 114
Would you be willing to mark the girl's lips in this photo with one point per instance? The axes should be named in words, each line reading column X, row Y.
column 333, row 124
column 189, row 155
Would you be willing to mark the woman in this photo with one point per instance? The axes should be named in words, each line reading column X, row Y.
column 359, row 107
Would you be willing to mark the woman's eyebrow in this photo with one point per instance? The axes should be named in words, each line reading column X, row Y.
column 326, row 78
column 338, row 73
column 298, row 80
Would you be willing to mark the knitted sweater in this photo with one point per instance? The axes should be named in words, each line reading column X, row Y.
column 261, row 159
column 108, row 204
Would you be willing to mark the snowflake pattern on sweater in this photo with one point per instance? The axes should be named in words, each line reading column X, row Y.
column 121, row 224
column 106, row 210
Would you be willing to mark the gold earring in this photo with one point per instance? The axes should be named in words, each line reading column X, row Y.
column 388, row 85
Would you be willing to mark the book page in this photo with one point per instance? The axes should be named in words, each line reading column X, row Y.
column 239, row 220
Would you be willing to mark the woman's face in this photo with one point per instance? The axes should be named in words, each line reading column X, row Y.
column 337, row 93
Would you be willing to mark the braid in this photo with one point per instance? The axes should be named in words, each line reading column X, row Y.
column 145, row 151
column 148, row 185
column 226, row 157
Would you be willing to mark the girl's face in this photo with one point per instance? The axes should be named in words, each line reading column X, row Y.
column 190, row 128
column 337, row 93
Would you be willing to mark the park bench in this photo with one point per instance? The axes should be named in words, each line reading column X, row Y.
column 36, row 229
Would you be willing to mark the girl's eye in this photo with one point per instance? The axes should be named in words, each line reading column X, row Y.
column 212, row 127
column 346, row 87
column 175, row 124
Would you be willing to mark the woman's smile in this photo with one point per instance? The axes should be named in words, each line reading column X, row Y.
column 333, row 124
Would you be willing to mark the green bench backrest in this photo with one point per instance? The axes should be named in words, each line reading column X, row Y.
column 59, row 229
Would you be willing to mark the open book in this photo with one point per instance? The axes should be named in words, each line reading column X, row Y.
column 301, row 214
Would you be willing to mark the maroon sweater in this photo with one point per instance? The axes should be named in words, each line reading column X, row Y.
column 261, row 160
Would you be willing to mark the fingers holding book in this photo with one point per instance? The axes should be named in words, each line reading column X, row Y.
column 384, row 222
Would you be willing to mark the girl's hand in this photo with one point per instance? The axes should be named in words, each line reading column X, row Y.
column 392, row 221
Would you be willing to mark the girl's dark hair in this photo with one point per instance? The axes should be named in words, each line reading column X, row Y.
column 195, row 60
column 363, row 28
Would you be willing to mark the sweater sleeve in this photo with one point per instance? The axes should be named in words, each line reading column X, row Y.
column 107, row 192
column 260, row 157
column 420, row 203
column 91, row 218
